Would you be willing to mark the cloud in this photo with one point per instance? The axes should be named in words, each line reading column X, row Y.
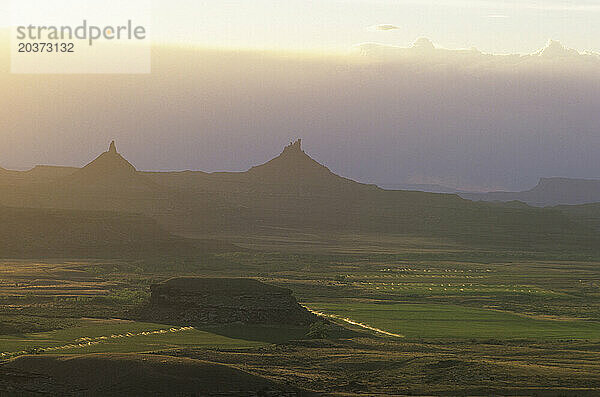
column 555, row 49
column 423, row 44
column 382, row 27
column 545, row 5
column 423, row 51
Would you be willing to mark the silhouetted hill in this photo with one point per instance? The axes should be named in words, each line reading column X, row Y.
column 294, row 192
column 28, row 232
column 548, row 192
column 294, row 167
column 293, row 171
column 108, row 183
column 110, row 170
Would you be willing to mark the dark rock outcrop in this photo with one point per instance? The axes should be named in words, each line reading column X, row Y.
column 195, row 301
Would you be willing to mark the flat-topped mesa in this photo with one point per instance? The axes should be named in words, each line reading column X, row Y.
column 194, row 300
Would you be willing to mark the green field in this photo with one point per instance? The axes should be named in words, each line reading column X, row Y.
column 94, row 336
column 469, row 322
column 455, row 322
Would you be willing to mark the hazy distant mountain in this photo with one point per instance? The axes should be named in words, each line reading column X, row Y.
column 294, row 192
column 419, row 187
column 548, row 192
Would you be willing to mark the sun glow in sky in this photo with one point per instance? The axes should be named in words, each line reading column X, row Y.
column 387, row 113
column 498, row 26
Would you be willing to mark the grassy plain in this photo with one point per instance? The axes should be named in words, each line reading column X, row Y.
column 515, row 322
column 99, row 336
column 438, row 321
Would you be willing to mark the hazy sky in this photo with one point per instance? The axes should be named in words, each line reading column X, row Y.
column 504, row 26
column 387, row 112
column 500, row 26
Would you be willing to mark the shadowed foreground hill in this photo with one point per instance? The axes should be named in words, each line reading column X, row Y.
column 132, row 375
column 27, row 232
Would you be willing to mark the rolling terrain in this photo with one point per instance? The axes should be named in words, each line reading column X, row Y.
column 451, row 327
column 56, row 233
column 588, row 214
column 132, row 375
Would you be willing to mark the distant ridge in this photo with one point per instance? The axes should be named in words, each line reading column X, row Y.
column 420, row 187
column 548, row 192
column 50, row 172
column 38, row 175
column 293, row 192
column 4, row 174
